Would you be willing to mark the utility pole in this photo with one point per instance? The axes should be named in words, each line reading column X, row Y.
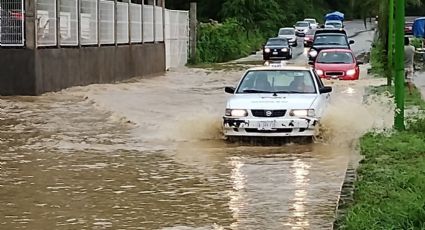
column 390, row 63
column 399, row 64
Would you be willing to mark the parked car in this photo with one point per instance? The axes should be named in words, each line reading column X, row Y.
column 328, row 39
column 408, row 28
column 313, row 23
column 334, row 23
column 309, row 37
column 288, row 33
column 276, row 102
column 277, row 49
column 338, row 64
column 301, row 28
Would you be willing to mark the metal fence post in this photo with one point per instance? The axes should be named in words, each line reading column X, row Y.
column 129, row 21
column 143, row 33
column 163, row 20
column 98, row 23
column 154, row 21
column 58, row 26
column 115, row 23
column 79, row 22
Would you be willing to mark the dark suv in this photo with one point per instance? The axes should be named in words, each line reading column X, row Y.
column 328, row 39
column 277, row 49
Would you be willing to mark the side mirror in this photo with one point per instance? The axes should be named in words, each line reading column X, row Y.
column 322, row 26
column 351, row 41
column 230, row 90
column 310, row 62
column 326, row 89
column 359, row 63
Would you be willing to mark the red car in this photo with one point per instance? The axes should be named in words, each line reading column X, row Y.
column 309, row 37
column 337, row 64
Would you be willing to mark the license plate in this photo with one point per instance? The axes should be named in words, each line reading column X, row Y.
column 266, row 125
column 334, row 77
column 274, row 53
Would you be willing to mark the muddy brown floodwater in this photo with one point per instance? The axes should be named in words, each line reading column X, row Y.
column 148, row 154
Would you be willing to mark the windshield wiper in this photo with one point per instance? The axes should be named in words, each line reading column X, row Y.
column 255, row 91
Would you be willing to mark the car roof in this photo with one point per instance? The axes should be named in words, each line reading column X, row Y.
column 331, row 31
column 277, row 38
column 309, row 19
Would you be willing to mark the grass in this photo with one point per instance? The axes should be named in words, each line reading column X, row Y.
column 413, row 100
column 390, row 190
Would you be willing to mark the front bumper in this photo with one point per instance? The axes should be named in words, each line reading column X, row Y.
column 279, row 55
column 300, row 33
column 269, row 127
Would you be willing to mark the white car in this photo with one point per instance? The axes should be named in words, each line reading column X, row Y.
column 313, row 23
column 301, row 28
column 288, row 33
column 276, row 101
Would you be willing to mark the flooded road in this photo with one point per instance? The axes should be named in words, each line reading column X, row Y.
column 149, row 154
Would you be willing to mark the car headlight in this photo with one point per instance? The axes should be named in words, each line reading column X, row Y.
column 285, row 50
column 319, row 72
column 236, row 112
column 267, row 50
column 266, row 63
column 312, row 53
column 351, row 72
column 302, row 113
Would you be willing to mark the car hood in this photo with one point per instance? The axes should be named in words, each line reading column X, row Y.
column 268, row 101
column 334, row 67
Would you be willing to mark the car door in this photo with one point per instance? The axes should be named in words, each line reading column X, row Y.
column 324, row 98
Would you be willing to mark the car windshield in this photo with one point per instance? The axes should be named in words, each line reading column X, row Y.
column 302, row 24
column 286, row 32
column 335, row 57
column 334, row 24
column 312, row 21
column 277, row 81
column 327, row 39
column 277, row 42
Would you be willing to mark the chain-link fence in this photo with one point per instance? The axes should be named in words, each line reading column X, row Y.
column 12, row 23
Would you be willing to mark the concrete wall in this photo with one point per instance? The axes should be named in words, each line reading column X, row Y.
column 17, row 72
column 33, row 72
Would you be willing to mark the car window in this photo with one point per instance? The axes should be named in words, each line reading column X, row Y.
column 279, row 81
column 334, row 24
column 286, row 32
column 310, row 20
column 302, row 24
column 328, row 39
column 277, row 42
column 335, row 57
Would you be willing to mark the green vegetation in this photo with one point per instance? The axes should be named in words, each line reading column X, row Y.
column 378, row 59
column 390, row 191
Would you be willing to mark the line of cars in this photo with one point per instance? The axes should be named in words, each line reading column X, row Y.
column 281, row 100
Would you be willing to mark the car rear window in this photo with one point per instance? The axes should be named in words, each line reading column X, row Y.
column 330, row 39
column 335, row 57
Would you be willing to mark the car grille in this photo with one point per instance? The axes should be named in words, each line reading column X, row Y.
column 334, row 73
column 268, row 113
